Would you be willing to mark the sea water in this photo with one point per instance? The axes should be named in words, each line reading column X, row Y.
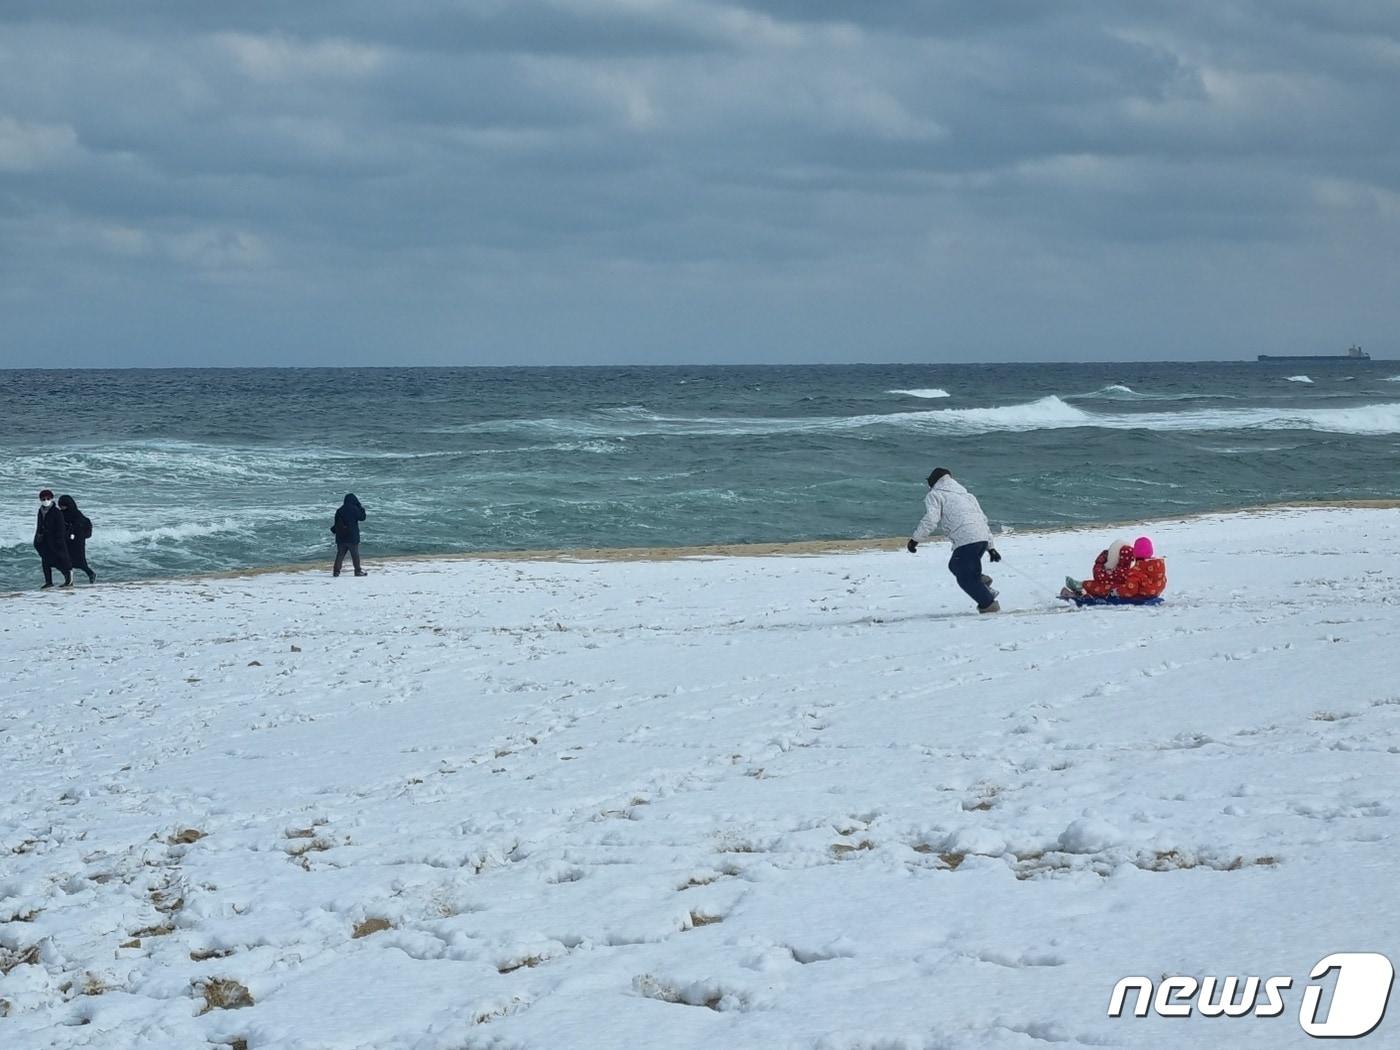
column 187, row 471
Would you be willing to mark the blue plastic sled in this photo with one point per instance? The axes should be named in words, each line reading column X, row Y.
column 1084, row 599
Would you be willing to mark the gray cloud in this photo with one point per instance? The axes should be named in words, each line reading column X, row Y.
column 581, row 180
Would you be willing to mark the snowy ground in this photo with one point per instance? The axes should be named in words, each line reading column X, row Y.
column 734, row 803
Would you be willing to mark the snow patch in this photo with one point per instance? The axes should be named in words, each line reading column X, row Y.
column 1089, row 835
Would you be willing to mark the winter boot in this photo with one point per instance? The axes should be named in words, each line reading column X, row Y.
column 991, row 607
column 986, row 580
column 1074, row 585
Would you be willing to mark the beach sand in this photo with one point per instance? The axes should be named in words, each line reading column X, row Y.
column 789, row 548
column 689, row 800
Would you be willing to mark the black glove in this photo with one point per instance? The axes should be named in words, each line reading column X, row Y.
column 913, row 546
column 993, row 554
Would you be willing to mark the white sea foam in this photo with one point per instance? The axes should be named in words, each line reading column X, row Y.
column 1114, row 392
column 596, row 448
column 1360, row 419
column 1046, row 413
column 1051, row 413
column 1121, row 392
column 130, row 534
column 930, row 392
column 1300, row 379
column 177, row 464
column 1245, row 450
column 168, row 462
column 163, row 533
column 135, row 529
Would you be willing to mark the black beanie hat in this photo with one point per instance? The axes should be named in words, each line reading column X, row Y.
column 938, row 472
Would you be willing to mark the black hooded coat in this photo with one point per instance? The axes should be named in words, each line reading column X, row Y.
column 347, row 520
column 79, row 527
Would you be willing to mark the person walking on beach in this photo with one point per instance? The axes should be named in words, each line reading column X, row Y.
column 954, row 510
column 51, row 541
column 79, row 527
column 347, row 533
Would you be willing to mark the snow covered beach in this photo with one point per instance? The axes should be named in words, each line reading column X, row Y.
column 760, row 802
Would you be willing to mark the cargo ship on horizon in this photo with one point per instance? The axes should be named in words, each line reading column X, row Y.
column 1353, row 355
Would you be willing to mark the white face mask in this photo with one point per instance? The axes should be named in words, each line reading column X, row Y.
column 46, row 503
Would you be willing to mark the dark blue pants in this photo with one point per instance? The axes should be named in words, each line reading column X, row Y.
column 966, row 567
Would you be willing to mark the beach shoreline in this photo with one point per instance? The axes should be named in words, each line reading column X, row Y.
column 771, row 549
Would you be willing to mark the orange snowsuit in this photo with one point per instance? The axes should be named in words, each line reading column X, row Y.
column 1146, row 579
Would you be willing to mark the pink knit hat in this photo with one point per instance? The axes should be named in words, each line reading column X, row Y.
column 1142, row 548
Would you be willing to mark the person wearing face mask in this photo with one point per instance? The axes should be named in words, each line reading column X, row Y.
column 51, row 541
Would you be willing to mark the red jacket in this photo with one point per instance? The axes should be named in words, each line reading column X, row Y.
column 1106, row 582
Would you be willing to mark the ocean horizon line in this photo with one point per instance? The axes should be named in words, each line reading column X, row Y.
column 755, row 365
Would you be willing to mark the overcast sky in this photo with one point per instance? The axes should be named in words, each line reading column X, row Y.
column 626, row 181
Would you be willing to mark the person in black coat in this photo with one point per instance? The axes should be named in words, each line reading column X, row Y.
column 79, row 532
column 347, row 533
column 51, row 540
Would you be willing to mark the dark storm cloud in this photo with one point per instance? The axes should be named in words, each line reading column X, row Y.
column 581, row 180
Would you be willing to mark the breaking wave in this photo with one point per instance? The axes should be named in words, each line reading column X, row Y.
column 1299, row 379
column 131, row 534
column 1122, row 392
column 1116, row 391
column 188, row 463
column 1052, row 413
column 930, row 392
column 1046, row 413
column 168, row 533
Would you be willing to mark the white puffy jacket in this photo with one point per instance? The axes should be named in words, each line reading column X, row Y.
column 955, row 511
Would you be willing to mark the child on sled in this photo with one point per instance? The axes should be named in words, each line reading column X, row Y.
column 1126, row 572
